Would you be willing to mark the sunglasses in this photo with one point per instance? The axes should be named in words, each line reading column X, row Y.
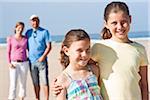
column 34, row 34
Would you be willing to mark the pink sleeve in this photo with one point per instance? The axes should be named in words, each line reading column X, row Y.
column 8, row 49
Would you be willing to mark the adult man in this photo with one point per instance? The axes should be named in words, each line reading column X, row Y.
column 39, row 45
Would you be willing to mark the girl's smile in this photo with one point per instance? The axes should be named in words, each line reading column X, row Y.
column 119, row 24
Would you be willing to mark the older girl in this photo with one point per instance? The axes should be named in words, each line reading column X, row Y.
column 123, row 62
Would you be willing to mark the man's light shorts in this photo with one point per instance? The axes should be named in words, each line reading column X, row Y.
column 39, row 73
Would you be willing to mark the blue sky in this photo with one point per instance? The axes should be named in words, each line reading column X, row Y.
column 59, row 16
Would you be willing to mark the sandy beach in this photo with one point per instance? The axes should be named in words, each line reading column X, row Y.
column 54, row 70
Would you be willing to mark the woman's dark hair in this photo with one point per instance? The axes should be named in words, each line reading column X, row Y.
column 71, row 36
column 113, row 7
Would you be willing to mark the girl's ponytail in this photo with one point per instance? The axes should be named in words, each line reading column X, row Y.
column 105, row 33
column 64, row 58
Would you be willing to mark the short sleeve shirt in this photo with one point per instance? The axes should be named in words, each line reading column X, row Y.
column 37, row 41
column 119, row 64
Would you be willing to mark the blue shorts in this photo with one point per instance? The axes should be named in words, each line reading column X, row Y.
column 39, row 73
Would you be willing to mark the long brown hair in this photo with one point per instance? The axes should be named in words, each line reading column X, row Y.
column 113, row 7
column 71, row 36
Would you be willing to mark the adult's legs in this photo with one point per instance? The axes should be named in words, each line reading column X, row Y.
column 35, row 78
column 46, row 91
column 23, row 71
column 43, row 74
column 37, row 91
column 13, row 82
column 21, row 98
column 39, row 73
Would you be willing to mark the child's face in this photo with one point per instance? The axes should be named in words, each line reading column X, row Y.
column 79, row 53
column 119, row 25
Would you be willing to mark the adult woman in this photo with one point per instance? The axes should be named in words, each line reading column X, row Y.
column 17, row 59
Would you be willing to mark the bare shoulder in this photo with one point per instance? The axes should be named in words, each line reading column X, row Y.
column 62, row 79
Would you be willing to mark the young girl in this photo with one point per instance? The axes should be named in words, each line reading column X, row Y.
column 17, row 59
column 79, row 80
column 123, row 62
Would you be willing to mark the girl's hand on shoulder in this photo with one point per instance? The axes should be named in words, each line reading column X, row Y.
column 55, row 88
column 95, row 67
column 92, row 62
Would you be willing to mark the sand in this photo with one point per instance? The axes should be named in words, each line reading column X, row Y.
column 54, row 70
